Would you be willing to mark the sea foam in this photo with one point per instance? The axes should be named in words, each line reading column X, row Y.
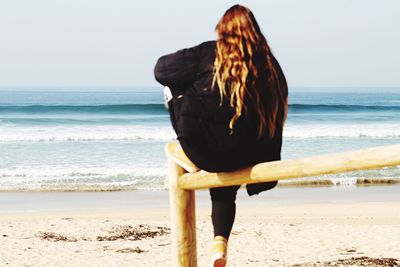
column 164, row 133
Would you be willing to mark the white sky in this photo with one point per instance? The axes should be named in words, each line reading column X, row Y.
column 117, row 42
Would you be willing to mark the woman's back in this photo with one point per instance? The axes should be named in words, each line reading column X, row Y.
column 201, row 121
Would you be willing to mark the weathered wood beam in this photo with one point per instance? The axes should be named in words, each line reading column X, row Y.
column 372, row 158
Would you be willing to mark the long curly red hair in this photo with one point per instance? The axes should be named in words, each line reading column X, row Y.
column 244, row 70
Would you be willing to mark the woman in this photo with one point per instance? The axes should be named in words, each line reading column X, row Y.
column 228, row 107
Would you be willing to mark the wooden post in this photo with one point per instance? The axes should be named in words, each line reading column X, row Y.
column 183, row 219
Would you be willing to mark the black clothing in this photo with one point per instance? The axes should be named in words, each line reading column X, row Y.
column 223, row 209
column 202, row 124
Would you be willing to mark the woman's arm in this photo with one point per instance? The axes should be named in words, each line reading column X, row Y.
column 178, row 69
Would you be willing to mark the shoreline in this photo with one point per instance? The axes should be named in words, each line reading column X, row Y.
column 31, row 202
column 297, row 183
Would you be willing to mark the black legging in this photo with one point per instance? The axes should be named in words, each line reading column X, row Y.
column 223, row 209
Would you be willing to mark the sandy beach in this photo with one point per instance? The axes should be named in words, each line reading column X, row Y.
column 298, row 232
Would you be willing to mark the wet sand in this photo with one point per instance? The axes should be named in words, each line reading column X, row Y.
column 141, row 199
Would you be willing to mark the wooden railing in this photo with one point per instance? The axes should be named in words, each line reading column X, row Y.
column 184, row 178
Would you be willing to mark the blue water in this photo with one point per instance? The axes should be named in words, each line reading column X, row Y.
column 113, row 138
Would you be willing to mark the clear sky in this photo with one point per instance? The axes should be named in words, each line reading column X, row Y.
column 117, row 42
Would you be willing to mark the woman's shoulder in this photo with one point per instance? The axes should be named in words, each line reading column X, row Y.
column 205, row 47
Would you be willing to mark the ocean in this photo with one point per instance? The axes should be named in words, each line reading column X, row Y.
column 104, row 139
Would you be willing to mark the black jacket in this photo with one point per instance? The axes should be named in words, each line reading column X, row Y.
column 202, row 124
